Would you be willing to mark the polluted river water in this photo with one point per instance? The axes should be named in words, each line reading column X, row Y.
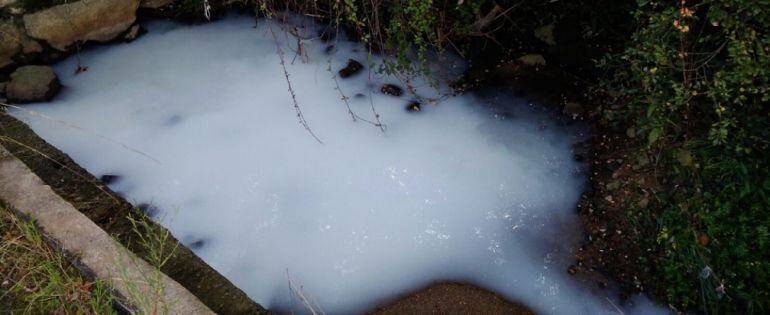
column 195, row 123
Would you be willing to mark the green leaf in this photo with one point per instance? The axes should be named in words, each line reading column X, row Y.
column 654, row 135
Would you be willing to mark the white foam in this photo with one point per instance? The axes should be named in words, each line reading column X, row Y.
column 450, row 193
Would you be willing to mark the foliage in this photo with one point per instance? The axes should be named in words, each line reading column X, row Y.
column 696, row 78
column 410, row 29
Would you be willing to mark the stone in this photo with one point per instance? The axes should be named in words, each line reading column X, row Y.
column 613, row 185
column 10, row 42
column 326, row 36
column 392, row 89
column 197, row 244
column 96, row 20
column 573, row 110
column 2, row 87
column 5, row 3
column 532, row 60
column 413, row 107
column 132, row 33
column 351, row 68
column 545, row 33
column 631, row 132
column 109, row 179
column 32, row 84
column 154, row 4
column 31, row 46
column 148, row 209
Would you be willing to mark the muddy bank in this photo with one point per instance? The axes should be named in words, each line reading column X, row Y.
column 451, row 298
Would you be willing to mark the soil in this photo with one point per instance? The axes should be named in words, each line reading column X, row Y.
column 608, row 257
column 452, row 298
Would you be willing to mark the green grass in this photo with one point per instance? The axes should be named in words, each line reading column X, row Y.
column 36, row 279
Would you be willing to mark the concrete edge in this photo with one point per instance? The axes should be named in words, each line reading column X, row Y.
column 91, row 246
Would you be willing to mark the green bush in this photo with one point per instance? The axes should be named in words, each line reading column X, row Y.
column 696, row 78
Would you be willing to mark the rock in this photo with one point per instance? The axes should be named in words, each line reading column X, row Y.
column 326, row 36
column 31, row 46
column 197, row 244
column 109, row 179
column 631, row 132
column 545, row 33
column 132, row 33
column 2, row 87
column 351, row 68
column 10, row 42
column 32, row 84
column 532, row 60
column 5, row 3
column 154, row 4
column 392, row 89
column 413, row 107
column 613, row 185
column 148, row 209
column 98, row 20
column 573, row 110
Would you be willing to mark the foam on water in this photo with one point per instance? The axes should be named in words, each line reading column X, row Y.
column 453, row 192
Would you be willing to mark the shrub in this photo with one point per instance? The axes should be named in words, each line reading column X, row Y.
column 696, row 80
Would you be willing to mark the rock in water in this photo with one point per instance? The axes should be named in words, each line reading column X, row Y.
column 109, row 179
column 352, row 68
column 392, row 89
column 413, row 107
column 32, row 84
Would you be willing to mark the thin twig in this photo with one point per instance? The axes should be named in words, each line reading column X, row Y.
column 280, row 54
column 73, row 126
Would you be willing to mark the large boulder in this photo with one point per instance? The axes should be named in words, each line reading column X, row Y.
column 10, row 42
column 32, row 84
column 97, row 20
column 153, row 4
